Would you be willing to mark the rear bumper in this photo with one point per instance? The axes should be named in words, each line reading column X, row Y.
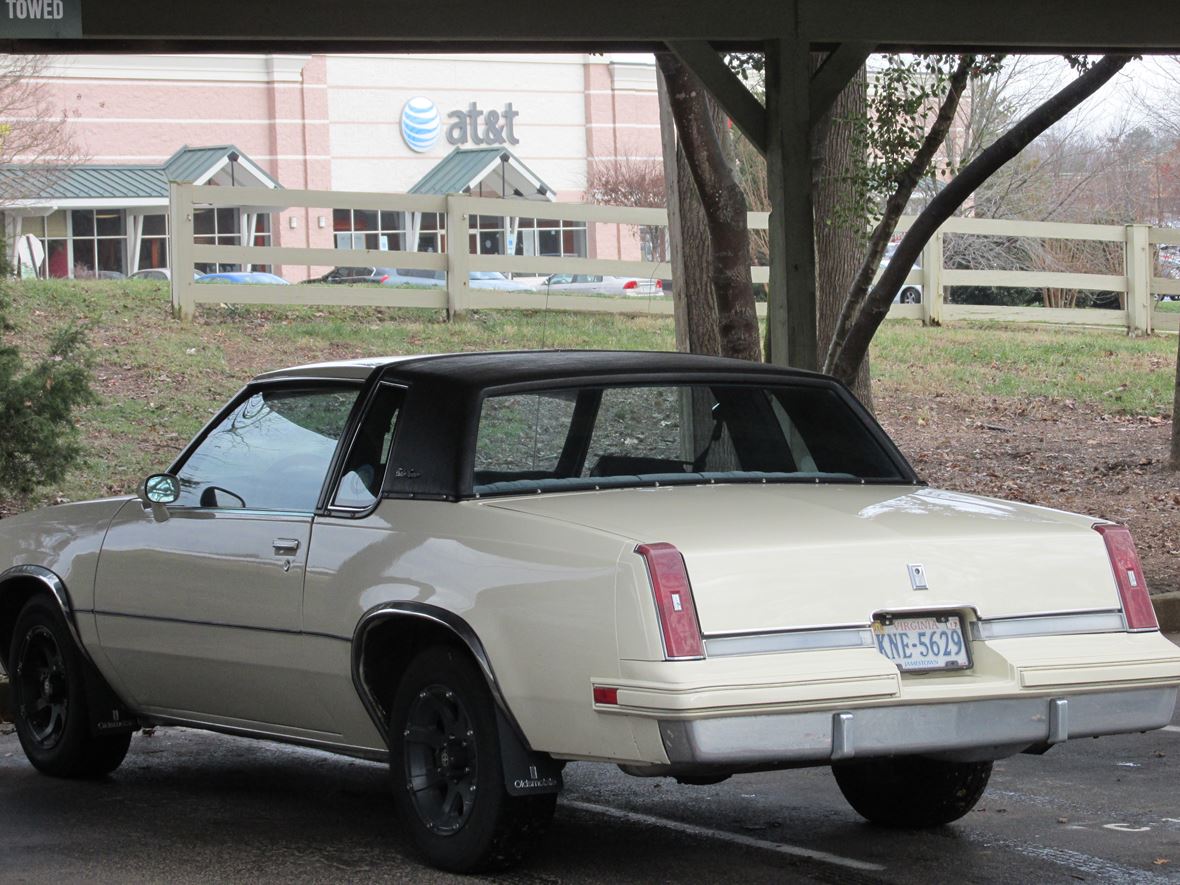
column 978, row 729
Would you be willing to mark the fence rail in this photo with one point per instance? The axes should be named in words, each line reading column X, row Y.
column 1137, row 286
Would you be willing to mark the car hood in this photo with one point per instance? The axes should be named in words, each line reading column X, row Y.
column 785, row 556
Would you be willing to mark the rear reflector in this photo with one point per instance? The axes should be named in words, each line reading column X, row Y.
column 1128, row 575
column 674, row 602
column 604, row 695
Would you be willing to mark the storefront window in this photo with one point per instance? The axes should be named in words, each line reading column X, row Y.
column 487, row 234
column 216, row 227
column 153, row 245
column 551, row 236
column 432, row 234
column 51, row 230
column 369, row 229
column 100, row 241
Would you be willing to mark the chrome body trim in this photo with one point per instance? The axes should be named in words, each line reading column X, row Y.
column 1049, row 625
column 984, row 729
column 791, row 640
column 154, row 719
column 861, row 636
column 57, row 590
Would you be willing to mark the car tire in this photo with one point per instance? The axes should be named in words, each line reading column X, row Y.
column 910, row 295
column 912, row 792
column 448, row 781
column 49, row 699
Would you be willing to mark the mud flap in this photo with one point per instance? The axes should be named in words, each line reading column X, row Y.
column 108, row 714
column 526, row 773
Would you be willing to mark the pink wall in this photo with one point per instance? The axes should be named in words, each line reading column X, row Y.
column 121, row 115
column 620, row 126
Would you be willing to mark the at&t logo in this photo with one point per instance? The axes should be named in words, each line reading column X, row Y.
column 421, row 124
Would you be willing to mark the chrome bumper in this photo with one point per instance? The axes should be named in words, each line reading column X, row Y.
column 986, row 729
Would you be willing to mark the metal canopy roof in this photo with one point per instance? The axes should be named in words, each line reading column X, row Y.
column 464, row 169
column 45, row 183
column 479, row 26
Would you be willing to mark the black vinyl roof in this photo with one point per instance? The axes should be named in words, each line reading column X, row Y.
column 506, row 368
column 434, row 450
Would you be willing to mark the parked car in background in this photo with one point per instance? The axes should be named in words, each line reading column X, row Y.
column 910, row 293
column 601, row 284
column 87, row 274
column 478, row 279
column 158, row 273
column 354, row 275
column 478, row 566
column 243, row 276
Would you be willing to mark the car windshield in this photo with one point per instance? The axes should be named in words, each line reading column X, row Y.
column 615, row 436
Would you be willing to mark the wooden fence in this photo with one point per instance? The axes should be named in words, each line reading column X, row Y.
column 1137, row 285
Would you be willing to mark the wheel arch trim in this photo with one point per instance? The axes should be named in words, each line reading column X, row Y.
column 57, row 589
column 443, row 618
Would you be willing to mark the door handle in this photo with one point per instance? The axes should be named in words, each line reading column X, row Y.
column 286, row 546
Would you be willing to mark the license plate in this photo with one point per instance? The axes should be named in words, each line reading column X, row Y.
column 918, row 643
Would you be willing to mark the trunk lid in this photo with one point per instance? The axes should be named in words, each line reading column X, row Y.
column 785, row 556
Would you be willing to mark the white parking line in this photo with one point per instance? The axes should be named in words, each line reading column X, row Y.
column 1170, row 728
column 722, row 836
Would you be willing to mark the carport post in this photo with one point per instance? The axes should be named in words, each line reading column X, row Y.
column 790, row 296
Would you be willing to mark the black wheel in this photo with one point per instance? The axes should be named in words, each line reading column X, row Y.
column 448, row 783
column 910, row 791
column 910, row 295
column 49, row 699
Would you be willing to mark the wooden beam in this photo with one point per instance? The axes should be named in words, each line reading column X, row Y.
column 834, row 74
column 479, row 26
column 791, row 306
column 726, row 87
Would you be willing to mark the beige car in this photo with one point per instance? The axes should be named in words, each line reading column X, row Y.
column 477, row 567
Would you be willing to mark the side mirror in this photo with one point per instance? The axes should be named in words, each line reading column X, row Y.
column 161, row 488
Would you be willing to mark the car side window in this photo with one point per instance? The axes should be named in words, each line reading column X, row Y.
column 271, row 452
column 523, row 434
column 364, row 468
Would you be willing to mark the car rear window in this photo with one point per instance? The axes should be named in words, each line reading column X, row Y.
column 613, row 436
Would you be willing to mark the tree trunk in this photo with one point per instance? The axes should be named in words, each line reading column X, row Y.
column 838, row 246
column 724, row 207
column 694, row 305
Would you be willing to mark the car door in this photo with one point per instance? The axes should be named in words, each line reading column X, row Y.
column 199, row 603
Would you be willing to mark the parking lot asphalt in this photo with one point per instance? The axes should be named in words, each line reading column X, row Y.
column 189, row 806
column 194, row 807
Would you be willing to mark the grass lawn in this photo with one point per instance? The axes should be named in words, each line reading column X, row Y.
column 159, row 379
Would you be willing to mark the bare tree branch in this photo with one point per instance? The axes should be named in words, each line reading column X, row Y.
column 852, row 341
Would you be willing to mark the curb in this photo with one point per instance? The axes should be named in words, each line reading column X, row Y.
column 1167, row 610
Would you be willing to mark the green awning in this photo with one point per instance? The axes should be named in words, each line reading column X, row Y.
column 494, row 169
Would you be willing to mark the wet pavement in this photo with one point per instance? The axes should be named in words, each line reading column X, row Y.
column 189, row 806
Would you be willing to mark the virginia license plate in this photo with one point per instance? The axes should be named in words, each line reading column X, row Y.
column 923, row 642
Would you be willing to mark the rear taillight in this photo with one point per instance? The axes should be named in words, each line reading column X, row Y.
column 1128, row 575
column 660, row 284
column 384, row 279
column 674, row 602
column 631, row 284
